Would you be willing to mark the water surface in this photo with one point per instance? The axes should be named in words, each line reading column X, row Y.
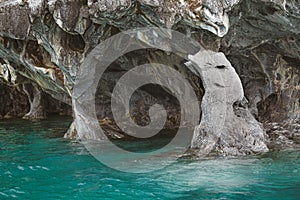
column 37, row 163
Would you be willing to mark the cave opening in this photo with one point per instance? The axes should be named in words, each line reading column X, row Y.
column 143, row 98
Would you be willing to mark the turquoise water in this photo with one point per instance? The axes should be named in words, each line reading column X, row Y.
column 36, row 163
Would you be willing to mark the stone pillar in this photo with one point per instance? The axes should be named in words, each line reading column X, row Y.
column 34, row 94
column 227, row 127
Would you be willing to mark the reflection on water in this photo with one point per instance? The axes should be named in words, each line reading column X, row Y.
column 37, row 163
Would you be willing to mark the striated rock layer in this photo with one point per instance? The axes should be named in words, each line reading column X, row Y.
column 263, row 45
column 43, row 43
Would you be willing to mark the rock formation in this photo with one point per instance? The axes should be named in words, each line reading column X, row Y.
column 227, row 127
column 263, row 46
column 44, row 42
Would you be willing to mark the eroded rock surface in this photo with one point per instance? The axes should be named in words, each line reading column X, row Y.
column 263, row 44
column 13, row 101
column 227, row 127
column 45, row 42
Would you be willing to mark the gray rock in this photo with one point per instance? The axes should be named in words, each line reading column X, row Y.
column 45, row 42
column 226, row 126
column 35, row 100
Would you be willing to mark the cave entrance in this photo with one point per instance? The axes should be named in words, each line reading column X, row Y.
column 143, row 98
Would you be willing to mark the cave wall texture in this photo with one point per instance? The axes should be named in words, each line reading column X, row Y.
column 44, row 42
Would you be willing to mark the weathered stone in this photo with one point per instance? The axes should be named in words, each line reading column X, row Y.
column 34, row 95
column 45, row 42
column 72, row 131
column 13, row 101
column 263, row 45
column 226, row 126
column 14, row 20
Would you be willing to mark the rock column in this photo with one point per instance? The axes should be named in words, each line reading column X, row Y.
column 226, row 126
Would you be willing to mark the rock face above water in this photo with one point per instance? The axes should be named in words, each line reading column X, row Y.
column 43, row 43
column 263, row 45
column 224, row 109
